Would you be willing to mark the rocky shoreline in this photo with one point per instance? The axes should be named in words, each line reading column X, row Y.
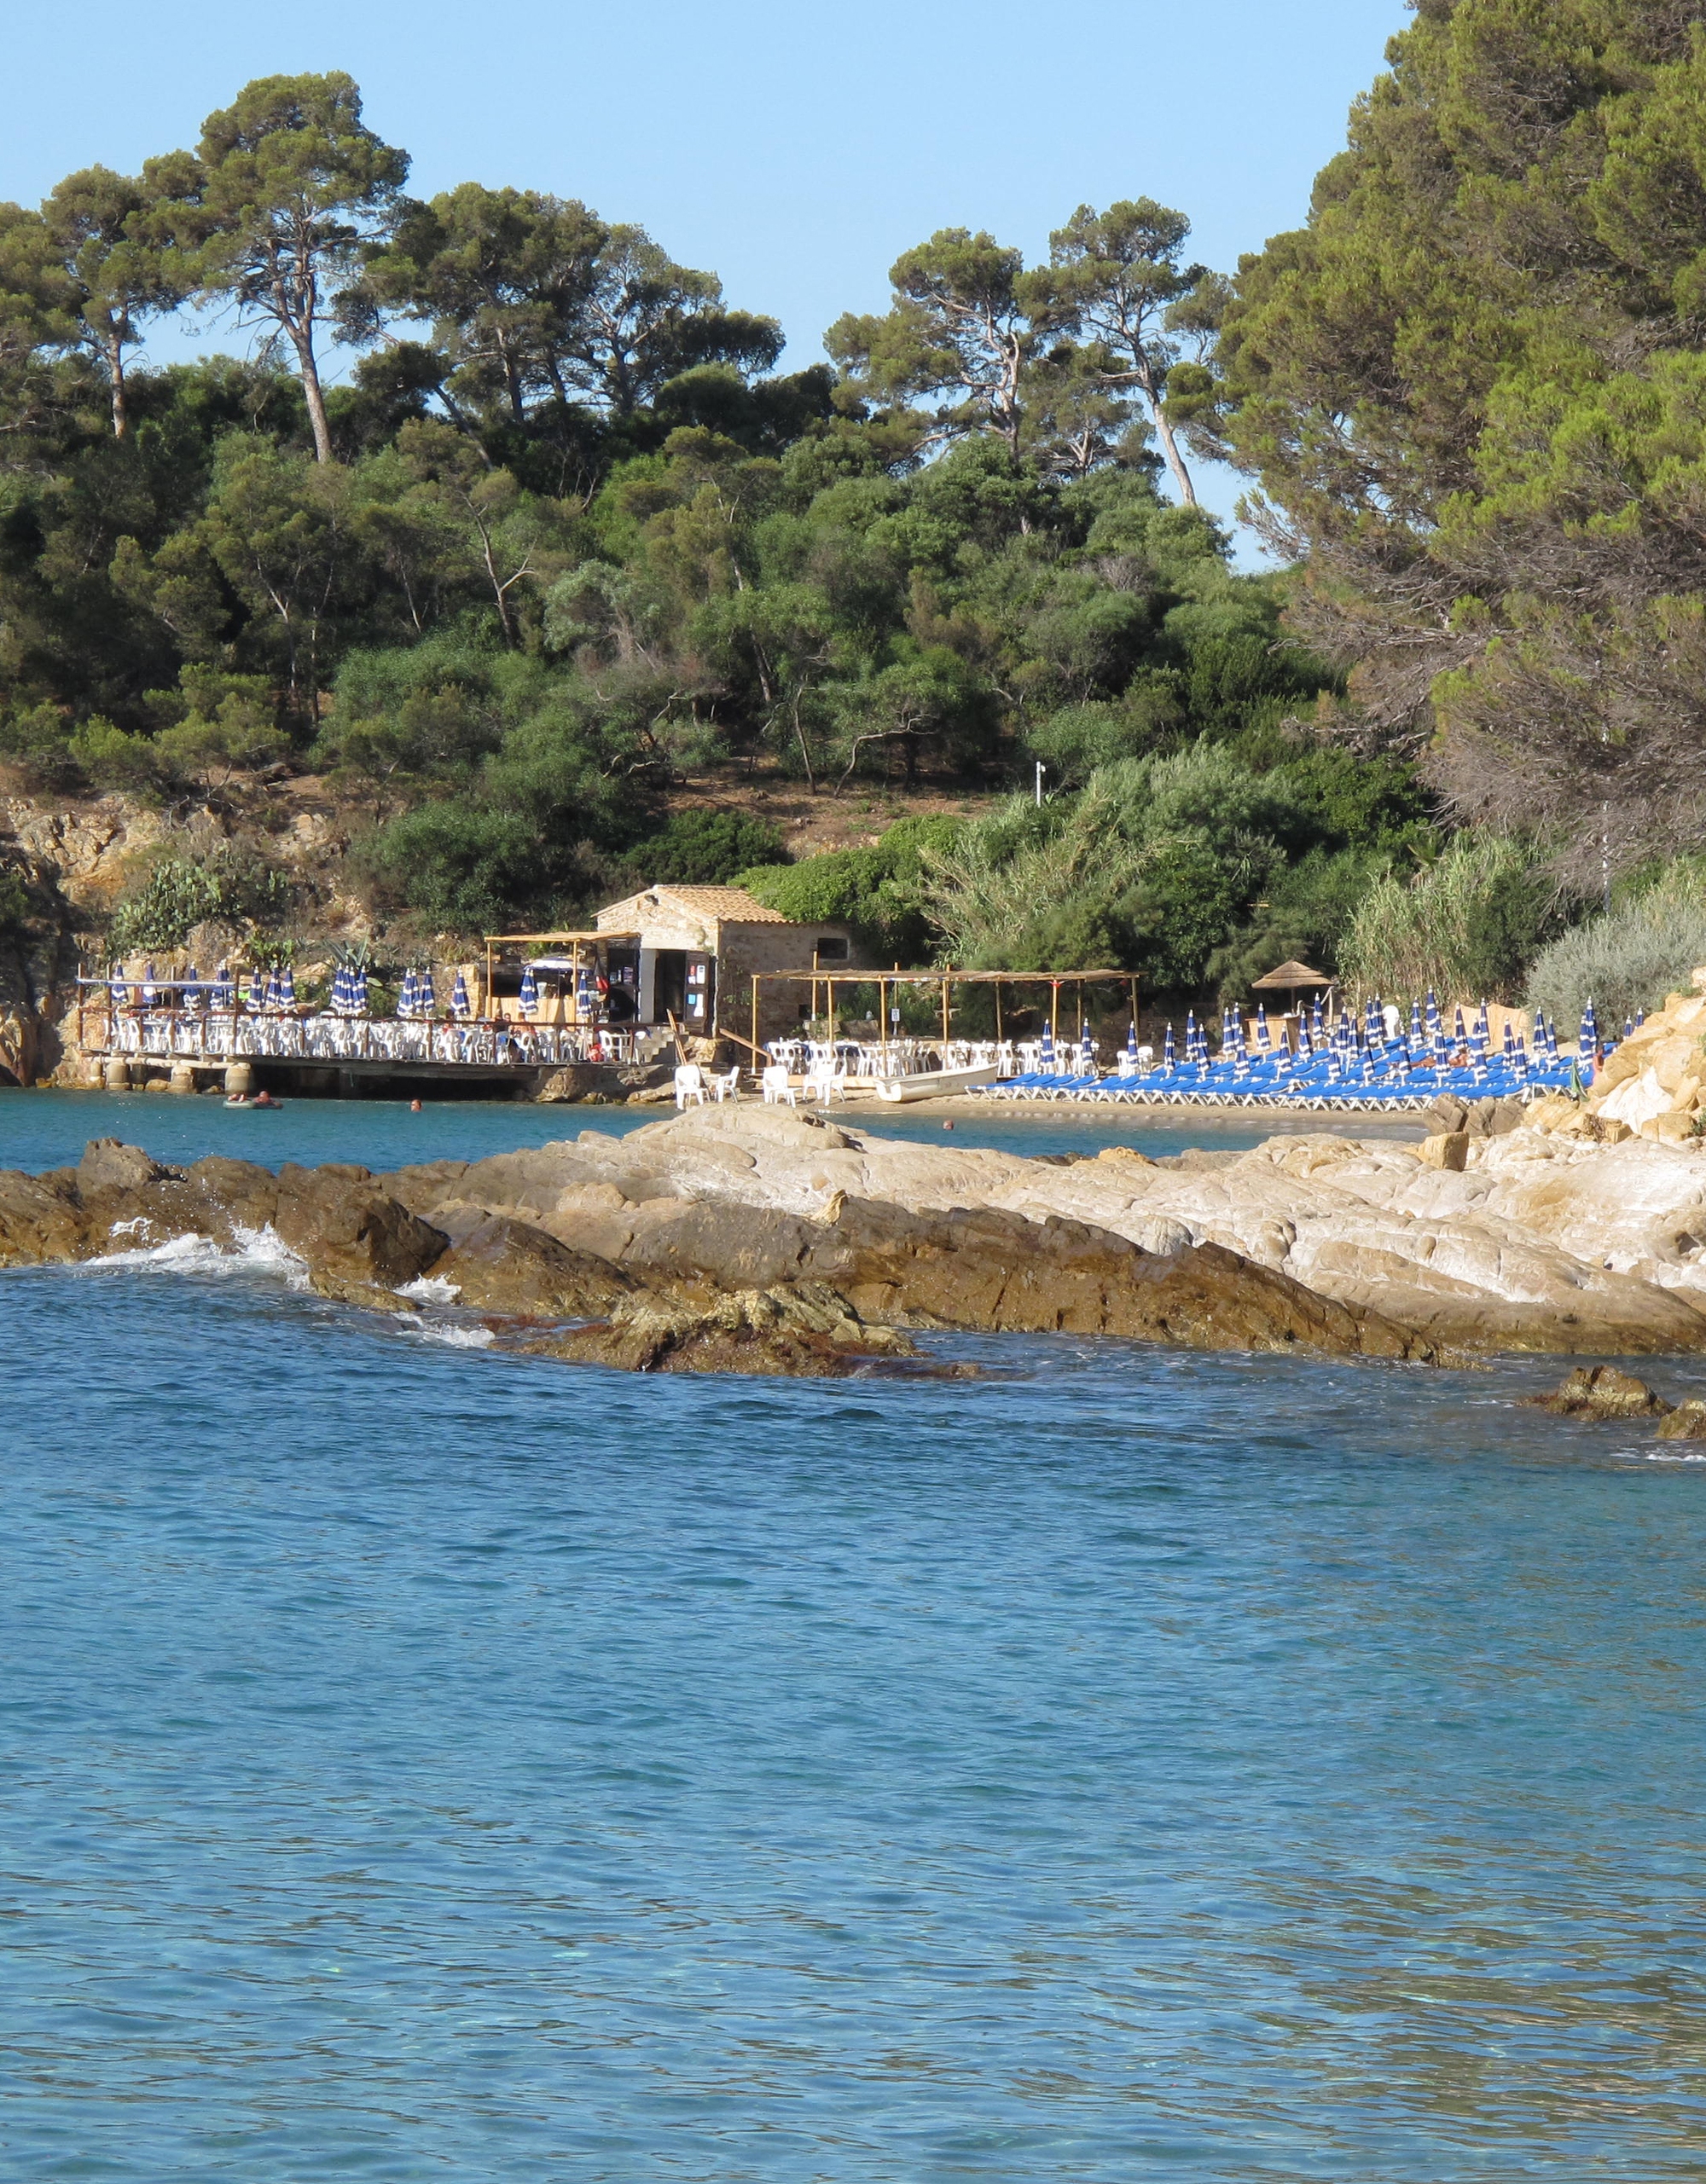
column 755, row 1239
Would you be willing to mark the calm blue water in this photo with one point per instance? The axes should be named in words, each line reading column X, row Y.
column 421, row 1763
column 47, row 1129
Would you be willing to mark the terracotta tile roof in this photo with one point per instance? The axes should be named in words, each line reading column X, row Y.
column 733, row 905
column 727, row 906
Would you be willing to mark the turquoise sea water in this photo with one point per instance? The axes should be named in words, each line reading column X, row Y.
column 422, row 1763
column 46, row 1129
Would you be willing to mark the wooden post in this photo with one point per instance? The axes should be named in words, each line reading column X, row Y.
column 754, row 1012
column 998, row 1009
column 944, row 1021
column 1054, row 1010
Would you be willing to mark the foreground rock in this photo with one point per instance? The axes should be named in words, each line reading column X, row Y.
column 1653, row 1086
column 1687, row 1422
column 661, row 1263
column 755, row 1238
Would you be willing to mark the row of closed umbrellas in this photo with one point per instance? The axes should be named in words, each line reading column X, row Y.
column 1349, row 1053
column 272, row 991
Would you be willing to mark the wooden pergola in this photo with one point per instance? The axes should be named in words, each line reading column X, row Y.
column 574, row 941
column 948, row 979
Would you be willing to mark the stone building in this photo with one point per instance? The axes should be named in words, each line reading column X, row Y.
column 691, row 952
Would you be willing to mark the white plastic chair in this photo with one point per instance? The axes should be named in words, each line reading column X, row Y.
column 826, row 1085
column 689, row 1086
column 778, row 1085
column 727, row 1087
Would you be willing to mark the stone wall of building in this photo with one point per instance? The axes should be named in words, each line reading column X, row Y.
column 744, row 949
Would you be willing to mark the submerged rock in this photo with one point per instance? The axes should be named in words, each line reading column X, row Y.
column 1687, row 1422
column 1601, row 1391
column 805, row 1332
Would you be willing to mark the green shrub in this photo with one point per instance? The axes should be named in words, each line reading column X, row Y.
column 880, row 891
column 1468, row 924
column 111, row 758
column 706, row 849
column 467, row 867
column 36, row 739
column 1629, row 959
column 180, row 892
column 15, row 902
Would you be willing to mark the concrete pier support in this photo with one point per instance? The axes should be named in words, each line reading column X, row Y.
column 239, row 1078
column 183, row 1077
column 116, row 1076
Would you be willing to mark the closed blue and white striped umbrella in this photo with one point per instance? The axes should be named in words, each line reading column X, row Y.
column 121, row 991
column 1416, row 1025
column 1460, row 1033
column 1316, row 1027
column 150, row 995
column 1589, row 1038
column 1374, row 1023
column 194, row 1001
column 1190, row 1034
column 1131, row 1040
column 1087, row 1051
column 358, row 993
column 461, row 1007
column 426, row 993
column 1045, row 1060
column 529, row 993
column 1166, row 1047
column 1510, row 1041
column 338, row 999
column 225, row 987
column 405, row 997
column 1262, row 1039
column 286, row 988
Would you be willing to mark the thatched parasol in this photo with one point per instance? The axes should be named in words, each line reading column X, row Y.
column 1291, row 978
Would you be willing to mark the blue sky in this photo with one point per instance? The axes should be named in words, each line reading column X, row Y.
column 795, row 150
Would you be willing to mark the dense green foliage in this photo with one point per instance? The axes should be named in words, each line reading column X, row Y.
column 564, row 538
column 1473, row 394
column 565, row 559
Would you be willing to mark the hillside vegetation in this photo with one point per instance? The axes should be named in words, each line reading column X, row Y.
column 557, row 574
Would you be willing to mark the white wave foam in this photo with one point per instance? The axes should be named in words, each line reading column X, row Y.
column 256, row 1251
column 458, row 1338
column 430, row 1288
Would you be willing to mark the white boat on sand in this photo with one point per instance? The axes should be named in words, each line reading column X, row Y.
column 934, row 1084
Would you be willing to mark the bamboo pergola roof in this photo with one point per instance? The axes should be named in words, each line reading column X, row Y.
column 509, row 940
column 845, row 977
